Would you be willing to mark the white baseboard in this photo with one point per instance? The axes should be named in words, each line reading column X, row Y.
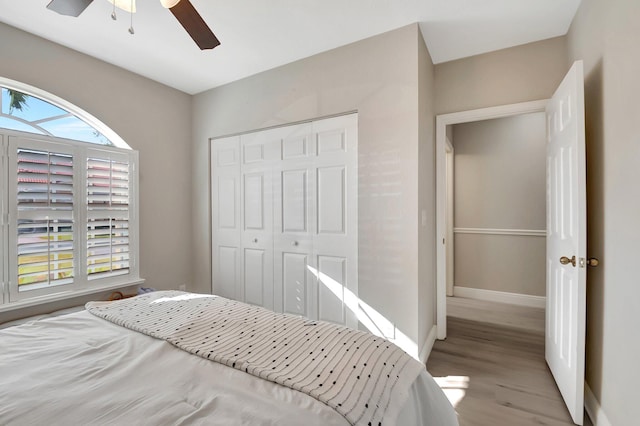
column 594, row 410
column 428, row 345
column 500, row 296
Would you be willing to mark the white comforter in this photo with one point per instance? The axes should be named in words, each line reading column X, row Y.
column 78, row 369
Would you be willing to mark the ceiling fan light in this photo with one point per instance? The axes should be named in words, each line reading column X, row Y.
column 126, row 5
column 169, row 3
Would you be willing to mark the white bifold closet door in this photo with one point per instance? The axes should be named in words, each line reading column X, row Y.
column 284, row 204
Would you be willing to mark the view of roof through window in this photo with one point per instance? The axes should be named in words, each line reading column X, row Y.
column 31, row 114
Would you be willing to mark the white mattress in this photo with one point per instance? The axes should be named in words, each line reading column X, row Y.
column 80, row 369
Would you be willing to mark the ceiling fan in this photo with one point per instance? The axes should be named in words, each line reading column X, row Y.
column 183, row 10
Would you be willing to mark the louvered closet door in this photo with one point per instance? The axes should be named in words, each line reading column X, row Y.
column 43, row 226
column 335, row 219
column 257, row 155
column 294, row 281
column 226, row 224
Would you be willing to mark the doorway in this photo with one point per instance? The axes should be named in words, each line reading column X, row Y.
column 444, row 214
column 566, row 258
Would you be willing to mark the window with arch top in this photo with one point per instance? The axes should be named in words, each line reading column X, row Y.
column 69, row 200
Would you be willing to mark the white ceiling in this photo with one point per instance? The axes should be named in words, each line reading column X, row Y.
column 258, row 35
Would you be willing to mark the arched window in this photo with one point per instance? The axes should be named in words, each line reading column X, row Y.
column 68, row 203
column 27, row 109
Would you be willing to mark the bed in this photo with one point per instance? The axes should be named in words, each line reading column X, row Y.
column 141, row 361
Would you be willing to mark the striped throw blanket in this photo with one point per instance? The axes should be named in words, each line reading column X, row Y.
column 363, row 377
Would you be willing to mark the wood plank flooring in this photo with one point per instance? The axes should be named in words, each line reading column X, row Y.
column 521, row 317
column 502, row 367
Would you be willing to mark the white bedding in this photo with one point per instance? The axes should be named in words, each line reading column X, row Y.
column 364, row 377
column 79, row 369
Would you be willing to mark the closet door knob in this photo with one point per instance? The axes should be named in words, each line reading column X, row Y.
column 294, row 243
column 255, row 240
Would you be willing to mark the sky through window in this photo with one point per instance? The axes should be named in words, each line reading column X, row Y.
column 27, row 113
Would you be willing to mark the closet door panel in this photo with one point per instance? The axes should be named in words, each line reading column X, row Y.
column 254, row 197
column 335, row 225
column 227, row 271
column 331, row 289
column 295, row 283
column 255, row 276
column 331, row 140
column 225, row 207
column 258, row 156
column 331, row 200
column 295, row 146
column 226, row 199
column 294, row 200
column 254, row 153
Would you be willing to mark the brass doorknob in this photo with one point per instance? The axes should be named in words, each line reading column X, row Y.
column 565, row 260
column 592, row 261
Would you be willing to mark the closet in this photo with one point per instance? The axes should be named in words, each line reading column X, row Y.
column 285, row 218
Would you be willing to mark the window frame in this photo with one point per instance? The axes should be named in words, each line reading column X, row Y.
column 11, row 297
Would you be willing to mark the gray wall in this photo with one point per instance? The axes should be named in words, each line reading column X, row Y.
column 605, row 35
column 518, row 74
column 426, row 194
column 150, row 117
column 378, row 77
column 499, row 183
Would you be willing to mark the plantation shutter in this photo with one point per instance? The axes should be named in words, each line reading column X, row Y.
column 45, row 222
column 68, row 218
column 108, row 215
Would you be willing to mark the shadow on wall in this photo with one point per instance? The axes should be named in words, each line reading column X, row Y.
column 594, row 111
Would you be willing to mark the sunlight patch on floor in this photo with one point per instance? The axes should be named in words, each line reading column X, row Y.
column 454, row 387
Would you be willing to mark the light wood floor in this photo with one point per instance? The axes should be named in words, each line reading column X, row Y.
column 493, row 358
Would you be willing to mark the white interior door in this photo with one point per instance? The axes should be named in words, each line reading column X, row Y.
column 566, row 240
column 225, row 217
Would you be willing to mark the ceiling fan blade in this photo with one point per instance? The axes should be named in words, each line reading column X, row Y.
column 69, row 7
column 191, row 20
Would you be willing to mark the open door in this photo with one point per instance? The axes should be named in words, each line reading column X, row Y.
column 567, row 240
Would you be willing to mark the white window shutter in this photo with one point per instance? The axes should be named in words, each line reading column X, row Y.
column 69, row 224
column 44, row 217
column 108, row 212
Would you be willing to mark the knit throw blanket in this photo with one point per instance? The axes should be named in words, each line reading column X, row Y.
column 363, row 377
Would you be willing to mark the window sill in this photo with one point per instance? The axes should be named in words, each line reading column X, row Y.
column 11, row 306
